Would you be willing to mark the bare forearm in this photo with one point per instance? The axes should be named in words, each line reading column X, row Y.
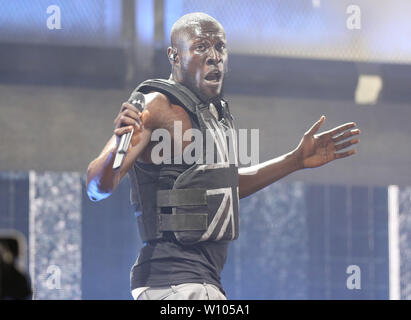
column 254, row 178
column 101, row 178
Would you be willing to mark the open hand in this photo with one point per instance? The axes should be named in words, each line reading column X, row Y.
column 316, row 150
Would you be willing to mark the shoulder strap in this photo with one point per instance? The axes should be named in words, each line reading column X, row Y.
column 181, row 93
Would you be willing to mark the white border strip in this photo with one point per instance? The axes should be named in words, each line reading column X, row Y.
column 32, row 231
column 394, row 242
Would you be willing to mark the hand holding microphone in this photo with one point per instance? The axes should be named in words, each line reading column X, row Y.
column 126, row 122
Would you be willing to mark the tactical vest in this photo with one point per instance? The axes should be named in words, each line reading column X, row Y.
column 203, row 203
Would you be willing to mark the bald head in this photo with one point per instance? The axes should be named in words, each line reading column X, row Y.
column 186, row 26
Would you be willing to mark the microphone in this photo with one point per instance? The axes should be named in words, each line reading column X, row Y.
column 138, row 101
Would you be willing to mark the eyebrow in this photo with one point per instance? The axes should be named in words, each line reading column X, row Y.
column 199, row 38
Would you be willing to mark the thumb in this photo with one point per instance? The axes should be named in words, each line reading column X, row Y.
column 316, row 126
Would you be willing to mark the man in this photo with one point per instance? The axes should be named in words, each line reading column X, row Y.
column 190, row 211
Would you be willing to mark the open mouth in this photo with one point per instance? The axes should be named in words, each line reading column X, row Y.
column 213, row 76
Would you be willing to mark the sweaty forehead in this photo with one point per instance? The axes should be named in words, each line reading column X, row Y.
column 205, row 28
column 201, row 29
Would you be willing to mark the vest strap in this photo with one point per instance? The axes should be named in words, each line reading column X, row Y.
column 181, row 197
column 183, row 222
column 188, row 100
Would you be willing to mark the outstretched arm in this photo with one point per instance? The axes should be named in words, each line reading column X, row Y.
column 314, row 150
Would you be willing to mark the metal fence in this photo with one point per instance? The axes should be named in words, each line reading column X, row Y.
column 66, row 22
column 364, row 30
column 361, row 30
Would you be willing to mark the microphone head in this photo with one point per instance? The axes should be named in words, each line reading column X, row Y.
column 137, row 99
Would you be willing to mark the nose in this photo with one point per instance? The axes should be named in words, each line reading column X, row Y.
column 214, row 57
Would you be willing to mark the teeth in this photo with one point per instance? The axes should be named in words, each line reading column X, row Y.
column 213, row 76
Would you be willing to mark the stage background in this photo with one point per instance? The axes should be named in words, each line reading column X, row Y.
column 290, row 62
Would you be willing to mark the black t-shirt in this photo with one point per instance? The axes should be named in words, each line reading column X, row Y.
column 167, row 262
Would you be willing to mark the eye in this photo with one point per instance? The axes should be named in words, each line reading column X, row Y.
column 220, row 46
column 200, row 47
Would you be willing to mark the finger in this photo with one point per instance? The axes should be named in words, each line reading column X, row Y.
column 345, row 135
column 139, row 125
column 133, row 115
column 140, row 118
column 123, row 130
column 127, row 121
column 316, row 126
column 344, row 154
column 128, row 106
column 346, row 144
column 340, row 129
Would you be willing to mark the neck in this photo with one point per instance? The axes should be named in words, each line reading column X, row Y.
column 175, row 76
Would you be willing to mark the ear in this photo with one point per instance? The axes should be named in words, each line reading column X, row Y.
column 172, row 55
